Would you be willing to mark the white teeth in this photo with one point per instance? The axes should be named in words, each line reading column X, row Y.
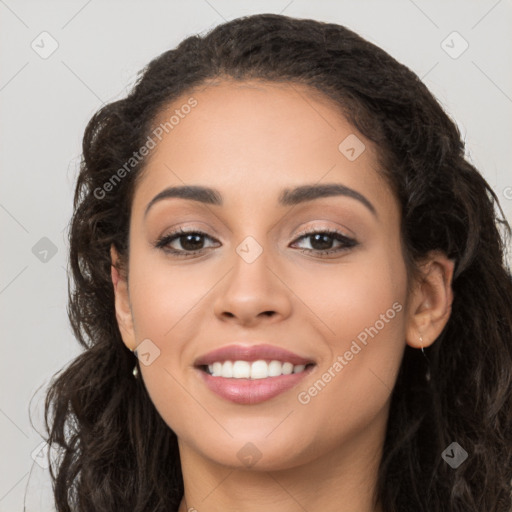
column 260, row 369
column 241, row 370
column 287, row 368
column 217, row 368
column 227, row 369
column 274, row 368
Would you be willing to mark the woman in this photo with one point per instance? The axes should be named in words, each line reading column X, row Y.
column 279, row 222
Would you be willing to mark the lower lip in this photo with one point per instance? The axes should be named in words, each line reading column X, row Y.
column 252, row 391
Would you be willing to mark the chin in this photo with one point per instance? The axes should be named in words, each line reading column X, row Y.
column 255, row 454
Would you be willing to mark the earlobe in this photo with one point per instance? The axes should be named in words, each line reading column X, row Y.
column 431, row 300
column 122, row 302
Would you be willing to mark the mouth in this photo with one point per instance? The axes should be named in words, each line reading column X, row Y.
column 252, row 374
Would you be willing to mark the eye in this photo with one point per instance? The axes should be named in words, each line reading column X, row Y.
column 190, row 241
column 322, row 241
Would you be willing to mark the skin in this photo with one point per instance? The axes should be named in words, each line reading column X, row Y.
column 250, row 140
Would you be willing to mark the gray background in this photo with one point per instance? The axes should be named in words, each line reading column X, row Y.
column 46, row 102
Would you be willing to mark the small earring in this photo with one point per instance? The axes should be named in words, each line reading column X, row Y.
column 135, row 370
column 427, row 375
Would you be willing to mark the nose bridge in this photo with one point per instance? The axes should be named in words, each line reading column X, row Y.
column 252, row 287
column 251, row 274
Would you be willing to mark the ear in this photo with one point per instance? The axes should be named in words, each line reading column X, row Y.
column 122, row 301
column 430, row 301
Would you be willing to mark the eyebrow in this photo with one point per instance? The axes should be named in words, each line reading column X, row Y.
column 288, row 197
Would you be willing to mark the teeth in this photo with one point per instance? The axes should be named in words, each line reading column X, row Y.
column 259, row 369
column 241, row 370
column 256, row 370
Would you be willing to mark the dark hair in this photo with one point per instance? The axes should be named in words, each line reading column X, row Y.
column 117, row 453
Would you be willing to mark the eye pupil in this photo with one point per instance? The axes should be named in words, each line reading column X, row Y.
column 194, row 245
column 319, row 237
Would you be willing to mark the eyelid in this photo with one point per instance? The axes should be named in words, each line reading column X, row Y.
column 308, row 229
column 339, row 228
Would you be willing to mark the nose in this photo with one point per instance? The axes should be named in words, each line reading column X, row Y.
column 253, row 292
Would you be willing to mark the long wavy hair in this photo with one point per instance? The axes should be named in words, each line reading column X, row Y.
column 117, row 453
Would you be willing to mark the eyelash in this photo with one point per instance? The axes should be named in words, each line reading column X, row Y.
column 165, row 240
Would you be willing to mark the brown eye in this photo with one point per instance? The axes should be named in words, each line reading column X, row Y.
column 188, row 242
column 321, row 242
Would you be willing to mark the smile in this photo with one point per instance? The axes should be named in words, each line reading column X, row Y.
column 259, row 369
column 246, row 383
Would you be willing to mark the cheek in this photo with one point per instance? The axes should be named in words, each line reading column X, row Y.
column 163, row 294
column 166, row 304
column 348, row 298
column 361, row 307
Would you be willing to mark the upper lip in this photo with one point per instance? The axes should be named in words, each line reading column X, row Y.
column 250, row 353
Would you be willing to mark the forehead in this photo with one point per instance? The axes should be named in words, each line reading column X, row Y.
column 252, row 139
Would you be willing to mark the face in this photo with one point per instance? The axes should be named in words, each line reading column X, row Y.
column 255, row 273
